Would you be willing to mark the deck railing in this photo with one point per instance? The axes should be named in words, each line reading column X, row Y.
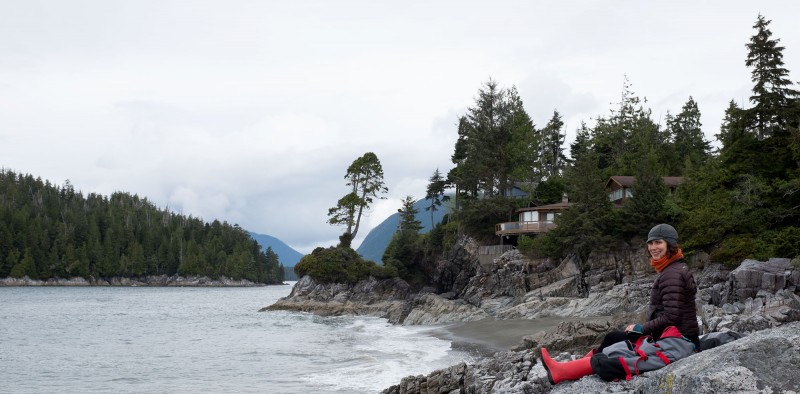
column 523, row 227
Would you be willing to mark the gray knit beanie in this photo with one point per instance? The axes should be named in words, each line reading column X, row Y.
column 663, row 231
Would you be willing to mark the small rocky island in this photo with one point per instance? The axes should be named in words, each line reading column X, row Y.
column 758, row 299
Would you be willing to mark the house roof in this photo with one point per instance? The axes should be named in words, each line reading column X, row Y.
column 627, row 181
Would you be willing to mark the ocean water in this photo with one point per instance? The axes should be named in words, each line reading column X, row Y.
column 188, row 340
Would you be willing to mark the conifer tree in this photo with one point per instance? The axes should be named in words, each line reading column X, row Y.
column 435, row 193
column 582, row 144
column 492, row 141
column 585, row 227
column 551, row 148
column 402, row 252
column 365, row 178
column 408, row 216
column 523, row 156
column 688, row 141
column 627, row 134
column 773, row 95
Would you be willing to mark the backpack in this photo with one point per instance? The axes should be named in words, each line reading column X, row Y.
column 626, row 359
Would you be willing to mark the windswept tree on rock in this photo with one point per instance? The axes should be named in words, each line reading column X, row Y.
column 365, row 178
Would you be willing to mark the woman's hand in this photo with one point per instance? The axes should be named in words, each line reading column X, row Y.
column 634, row 328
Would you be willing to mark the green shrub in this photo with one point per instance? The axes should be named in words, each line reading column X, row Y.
column 525, row 245
column 539, row 246
column 733, row 249
column 479, row 217
column 449, row 236
column 784, row 242
column 338, row 265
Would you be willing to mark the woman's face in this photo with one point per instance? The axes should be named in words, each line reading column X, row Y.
column 657, row 248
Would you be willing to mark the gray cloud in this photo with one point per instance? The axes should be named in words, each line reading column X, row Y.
column 250, row 112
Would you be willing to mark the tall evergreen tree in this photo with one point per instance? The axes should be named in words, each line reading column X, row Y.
column 523, row 156
column 773, row 95
column 435, row 193
column 491, row 143
column 408, row 216
column 582, row 144
column 551, row 147
column 586, row 226
column 402, row 252
column 688, row 141
column 739, row 149
column 626, row 135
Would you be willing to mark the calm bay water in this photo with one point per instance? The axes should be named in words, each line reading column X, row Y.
column 182, row 340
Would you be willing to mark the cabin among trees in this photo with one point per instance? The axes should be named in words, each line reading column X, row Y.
column 533, row 220
column 619, row 188
column 541, row 219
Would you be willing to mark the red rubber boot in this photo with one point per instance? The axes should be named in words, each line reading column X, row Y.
column 569, row 370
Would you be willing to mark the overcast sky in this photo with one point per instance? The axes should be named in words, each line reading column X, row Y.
column 250, row 112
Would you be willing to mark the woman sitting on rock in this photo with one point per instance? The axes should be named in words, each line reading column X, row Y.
column 670, row 333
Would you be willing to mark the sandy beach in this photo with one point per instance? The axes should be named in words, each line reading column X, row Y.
column 488, row 336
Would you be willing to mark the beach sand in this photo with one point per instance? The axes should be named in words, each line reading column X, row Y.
column 485, row 337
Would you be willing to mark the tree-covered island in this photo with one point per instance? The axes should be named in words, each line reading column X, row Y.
column 49, row 231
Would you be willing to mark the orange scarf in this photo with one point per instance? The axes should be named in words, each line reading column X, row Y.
column 663, row 262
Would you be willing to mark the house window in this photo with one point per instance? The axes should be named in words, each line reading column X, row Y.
column 616, row 195
column 530, row 216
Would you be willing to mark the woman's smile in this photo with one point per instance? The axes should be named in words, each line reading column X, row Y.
column 657, row 248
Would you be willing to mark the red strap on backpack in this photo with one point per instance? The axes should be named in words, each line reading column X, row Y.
column 663, row 357
column 638, row 347
column 625, row 367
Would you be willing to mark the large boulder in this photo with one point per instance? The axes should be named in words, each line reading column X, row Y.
column 452, row 274
column 754, row 296
column 430, row 309
column 388, row 298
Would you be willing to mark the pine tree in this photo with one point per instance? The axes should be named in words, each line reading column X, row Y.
column 402, row 252
column 435, row 193
column 492, row 139
column 586, row 226
column 626, row 135
column 551, row 147
column 688, row 141
column 408, row 216
column 582, row 144
column 365, row 178
column 773, row 95
column 522, row 149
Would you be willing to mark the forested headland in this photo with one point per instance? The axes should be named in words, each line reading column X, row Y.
column 49, row 231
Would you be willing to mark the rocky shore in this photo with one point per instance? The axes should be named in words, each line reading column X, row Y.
column 756, row 298
column 765, row 361
column 153, row 280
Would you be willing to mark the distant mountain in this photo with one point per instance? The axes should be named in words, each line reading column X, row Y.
column 378, row 238
column 286, row 255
